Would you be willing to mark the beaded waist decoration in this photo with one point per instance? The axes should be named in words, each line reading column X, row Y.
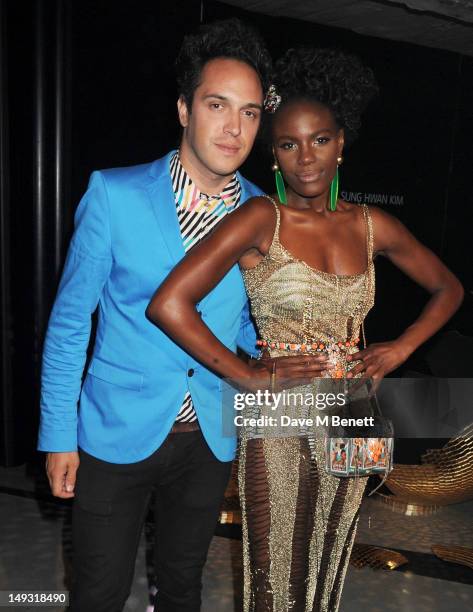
column 313, row 346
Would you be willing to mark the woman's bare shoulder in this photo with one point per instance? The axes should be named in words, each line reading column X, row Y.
column 259, row 211
column 384, row 220
column 260, row 205
column 388, row 230
column 258, row 217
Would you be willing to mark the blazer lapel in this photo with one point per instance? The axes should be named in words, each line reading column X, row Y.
column 164, row 207
column 244, row 191
column 163, row 204
column 248, row 190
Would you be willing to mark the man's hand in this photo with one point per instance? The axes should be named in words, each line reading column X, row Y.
column 61, row 469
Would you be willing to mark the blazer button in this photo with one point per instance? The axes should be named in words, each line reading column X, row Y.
column 190, row 372
column 199, row 312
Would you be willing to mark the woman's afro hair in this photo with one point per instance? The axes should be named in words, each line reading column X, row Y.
column 328, row 76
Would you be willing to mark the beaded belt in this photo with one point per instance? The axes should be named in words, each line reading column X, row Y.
column 308, row 346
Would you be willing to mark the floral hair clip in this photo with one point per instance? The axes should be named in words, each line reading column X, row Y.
column 272, row 100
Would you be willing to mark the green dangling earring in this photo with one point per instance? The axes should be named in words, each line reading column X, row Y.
column 334, row 187
column 280, row 188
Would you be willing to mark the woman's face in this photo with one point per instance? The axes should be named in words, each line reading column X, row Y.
column 306, row 144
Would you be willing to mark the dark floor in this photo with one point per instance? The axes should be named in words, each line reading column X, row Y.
column 35, row 533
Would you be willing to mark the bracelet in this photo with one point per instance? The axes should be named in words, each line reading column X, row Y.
column 272, row 379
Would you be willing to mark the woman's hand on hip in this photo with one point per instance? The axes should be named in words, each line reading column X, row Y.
column 377, row 360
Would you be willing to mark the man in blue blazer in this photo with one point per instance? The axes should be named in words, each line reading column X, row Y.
column 149, row 415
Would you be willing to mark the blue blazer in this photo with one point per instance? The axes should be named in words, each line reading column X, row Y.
column 126, row 241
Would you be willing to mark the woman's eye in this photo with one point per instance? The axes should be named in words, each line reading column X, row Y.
column 287, row 146
column 322, row 140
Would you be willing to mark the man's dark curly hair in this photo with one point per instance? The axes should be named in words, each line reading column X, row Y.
column 331, row 77
column 229, row 38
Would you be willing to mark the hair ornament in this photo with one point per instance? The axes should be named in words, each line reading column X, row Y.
column 272, row 100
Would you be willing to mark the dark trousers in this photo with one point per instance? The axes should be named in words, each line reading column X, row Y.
column 109, row 509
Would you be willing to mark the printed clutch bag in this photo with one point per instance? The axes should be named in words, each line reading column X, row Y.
column 353, row 449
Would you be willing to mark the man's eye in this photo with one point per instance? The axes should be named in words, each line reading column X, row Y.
column 251, row 114
column 216, row 105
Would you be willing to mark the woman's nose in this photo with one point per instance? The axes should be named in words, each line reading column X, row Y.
column 307, row 155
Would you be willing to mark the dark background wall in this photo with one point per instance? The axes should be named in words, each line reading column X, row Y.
column 89, row 84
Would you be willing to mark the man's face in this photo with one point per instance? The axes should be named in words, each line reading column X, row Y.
column 220, row 129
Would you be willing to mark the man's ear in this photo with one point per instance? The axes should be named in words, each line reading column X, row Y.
column 182, row 111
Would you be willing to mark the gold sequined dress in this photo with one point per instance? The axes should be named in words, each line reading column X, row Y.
column 299, row 522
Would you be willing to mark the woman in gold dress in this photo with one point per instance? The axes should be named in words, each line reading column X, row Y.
column 309, row 273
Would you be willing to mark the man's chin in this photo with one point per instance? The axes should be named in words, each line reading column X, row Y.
column 227, row 169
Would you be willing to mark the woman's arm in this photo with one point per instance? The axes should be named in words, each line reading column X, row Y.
column 395, row 242
column 173, row 307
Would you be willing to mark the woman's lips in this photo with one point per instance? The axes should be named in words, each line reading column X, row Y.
column 309, row 177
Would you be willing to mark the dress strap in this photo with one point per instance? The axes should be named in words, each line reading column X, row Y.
column 275, row 239
column 369, row 233
column 370, row 266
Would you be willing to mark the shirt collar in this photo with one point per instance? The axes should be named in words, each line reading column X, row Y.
column 188, row 196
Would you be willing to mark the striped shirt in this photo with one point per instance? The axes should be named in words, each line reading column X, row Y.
column 198, row 214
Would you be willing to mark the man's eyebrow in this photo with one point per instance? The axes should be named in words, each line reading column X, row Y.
column 218, row 96
column 225, row 99
column 253, row 105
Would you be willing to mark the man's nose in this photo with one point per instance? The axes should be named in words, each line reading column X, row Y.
column 233, row 124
